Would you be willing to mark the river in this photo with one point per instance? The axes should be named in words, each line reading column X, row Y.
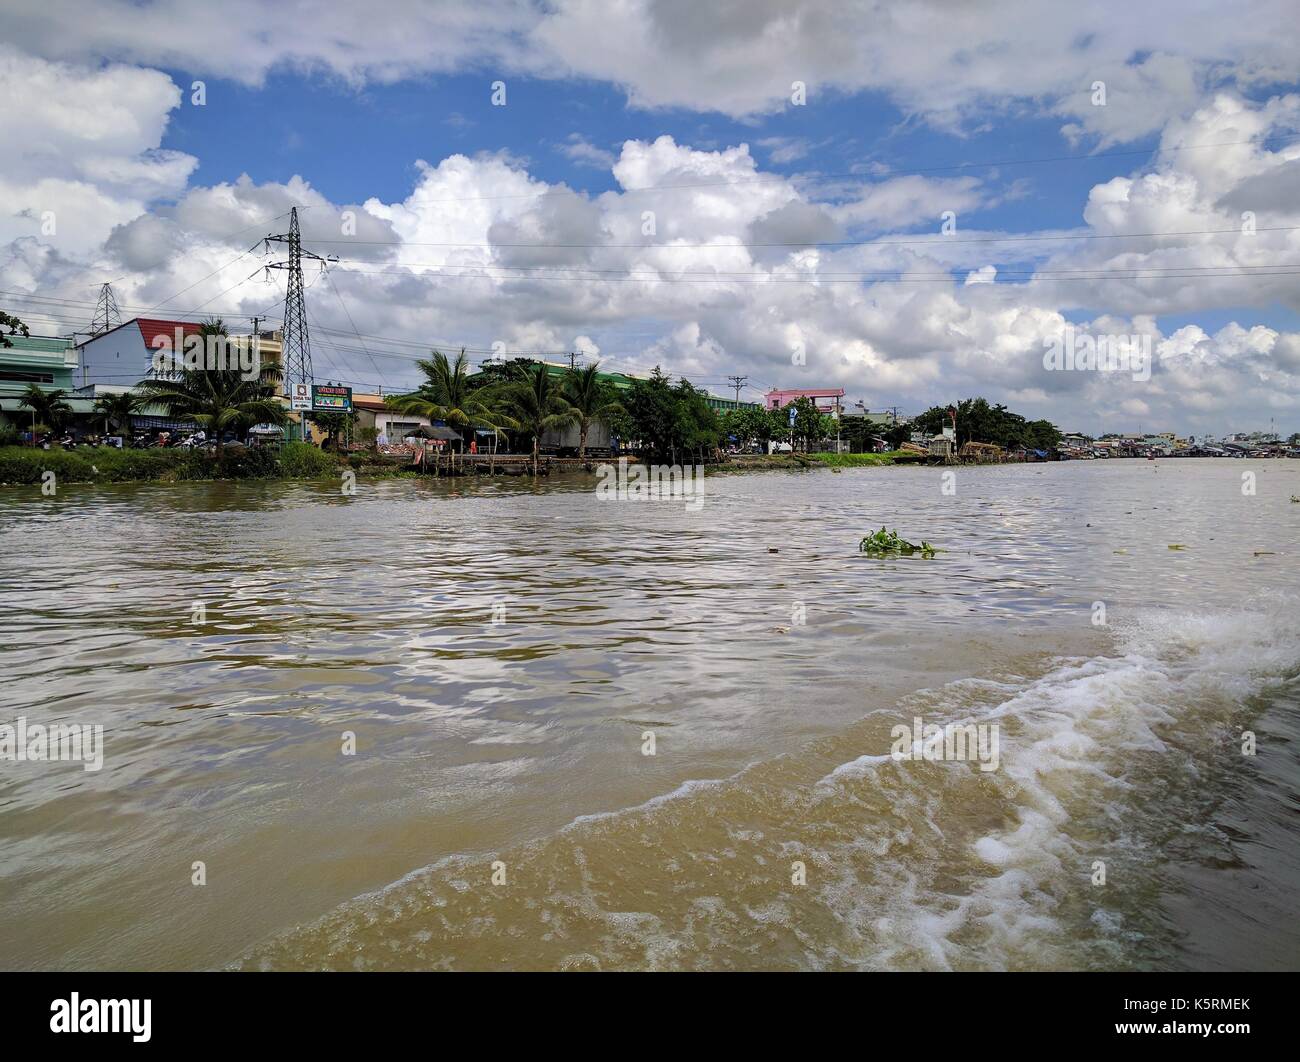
column 411, row 727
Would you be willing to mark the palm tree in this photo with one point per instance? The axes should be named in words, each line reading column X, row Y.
column 591, row 400
column 538, row 406
column 218, row 400
column 51, row 407
column 119, row 408
column 448, row 395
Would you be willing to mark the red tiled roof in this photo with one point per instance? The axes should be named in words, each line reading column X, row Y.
column 152, row 327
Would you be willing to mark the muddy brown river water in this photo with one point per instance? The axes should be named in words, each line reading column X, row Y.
column 502, row 654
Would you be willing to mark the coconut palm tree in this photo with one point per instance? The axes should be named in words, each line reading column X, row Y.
column 119, row 408
column 538, row 406
column 448, row 395
column 218, row 400
column 591, row 400
column 50, row 407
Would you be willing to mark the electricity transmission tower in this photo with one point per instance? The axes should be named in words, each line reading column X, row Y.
column 296, row 349
column 107, row 316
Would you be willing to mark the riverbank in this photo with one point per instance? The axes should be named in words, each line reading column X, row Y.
column 796, row 462
column 24, row 466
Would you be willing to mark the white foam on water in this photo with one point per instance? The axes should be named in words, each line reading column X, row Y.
column 1077, row 742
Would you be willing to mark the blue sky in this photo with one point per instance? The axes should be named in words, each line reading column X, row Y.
column 361, row 142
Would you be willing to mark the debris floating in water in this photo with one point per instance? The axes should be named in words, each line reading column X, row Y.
column 884, row 543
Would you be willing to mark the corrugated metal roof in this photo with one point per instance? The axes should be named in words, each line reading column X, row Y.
column 153, row 327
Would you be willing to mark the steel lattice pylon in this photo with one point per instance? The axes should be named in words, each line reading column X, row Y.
column 296, row 356
column 107, row 316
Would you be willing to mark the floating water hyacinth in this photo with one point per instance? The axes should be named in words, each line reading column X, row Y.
column 884, row 543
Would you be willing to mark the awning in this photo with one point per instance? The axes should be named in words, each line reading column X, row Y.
column 446, row 434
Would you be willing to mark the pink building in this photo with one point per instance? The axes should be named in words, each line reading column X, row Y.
column 826, row 399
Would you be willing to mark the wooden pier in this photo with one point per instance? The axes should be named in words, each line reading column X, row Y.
column 437, row 463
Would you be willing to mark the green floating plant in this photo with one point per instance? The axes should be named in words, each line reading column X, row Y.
column 887, row 543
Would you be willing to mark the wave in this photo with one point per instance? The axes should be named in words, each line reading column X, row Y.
column 842, row 856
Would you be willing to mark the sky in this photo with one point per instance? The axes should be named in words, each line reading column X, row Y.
column 916, row 203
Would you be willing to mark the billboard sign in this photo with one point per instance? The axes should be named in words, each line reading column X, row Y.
column 300, row 397
column 331, row 398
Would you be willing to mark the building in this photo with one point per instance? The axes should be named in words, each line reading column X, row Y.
column 123, row 356
column 48, row 362
column 875, row 421
column 826, row 399
column 728, row 405
column 372, row 412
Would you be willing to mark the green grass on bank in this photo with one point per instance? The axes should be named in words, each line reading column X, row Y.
column 893, row 457
column 796, row 461
column 24, row 465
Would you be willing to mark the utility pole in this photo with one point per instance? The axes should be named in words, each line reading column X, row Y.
column 297, row 342
column 107, row 316
column 738, row 382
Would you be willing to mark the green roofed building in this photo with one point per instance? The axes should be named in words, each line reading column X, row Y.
column 729, row 405
column 48, row 362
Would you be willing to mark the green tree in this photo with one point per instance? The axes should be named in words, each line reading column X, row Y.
column 980, row 421
column 590, row 398
column 697, row 430
column 119, row 409
column 751, row 426
column 15, row 326
column 809, row 426
column 670, row 419
column 336, row 424
column 652, row 411
column 537, row 406
column 50, row 408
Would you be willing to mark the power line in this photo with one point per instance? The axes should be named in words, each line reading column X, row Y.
column 353, row 323
column 938, row 240
column 896, row 277
column 944, row 273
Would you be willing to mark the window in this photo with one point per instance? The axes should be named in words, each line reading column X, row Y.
column 17, row 376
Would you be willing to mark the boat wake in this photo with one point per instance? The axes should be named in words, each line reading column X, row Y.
column 1110, row 768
